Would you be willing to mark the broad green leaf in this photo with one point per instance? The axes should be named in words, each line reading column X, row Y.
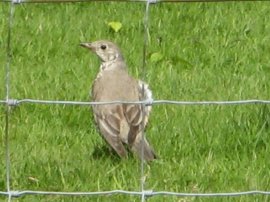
column 115, row 26
column 156, row 57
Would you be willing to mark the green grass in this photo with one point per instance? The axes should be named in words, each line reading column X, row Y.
column 215, row 51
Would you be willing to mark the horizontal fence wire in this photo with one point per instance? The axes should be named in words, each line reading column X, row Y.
column 143, row 193
column 14, row 102
column 146, row 193
column 151, row 1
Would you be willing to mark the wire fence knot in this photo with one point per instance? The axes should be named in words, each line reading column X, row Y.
column 149, row 102
column 12, row 102
column 16, row 1
column 147, row 193
column 152, row 1
column 14, row 194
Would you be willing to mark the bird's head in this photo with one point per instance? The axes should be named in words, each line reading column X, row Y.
column 106, row 50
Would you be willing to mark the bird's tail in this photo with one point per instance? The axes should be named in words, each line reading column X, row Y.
column 148, row 152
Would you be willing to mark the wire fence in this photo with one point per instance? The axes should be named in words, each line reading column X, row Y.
column 14, row 102
column 143, row 194
column 150, row 1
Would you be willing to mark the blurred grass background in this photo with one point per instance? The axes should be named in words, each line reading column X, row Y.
column 214, row 51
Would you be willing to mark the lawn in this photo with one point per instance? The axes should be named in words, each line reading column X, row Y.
column 207, row 51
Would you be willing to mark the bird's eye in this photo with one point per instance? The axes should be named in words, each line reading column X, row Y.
column 103, row 47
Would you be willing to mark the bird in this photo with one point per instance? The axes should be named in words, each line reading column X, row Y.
column 120, row 124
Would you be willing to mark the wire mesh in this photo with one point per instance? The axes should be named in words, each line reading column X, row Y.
column 15, row 102
column 151, row 1
column 145, row 193
column 142, row 193
column 7, row 108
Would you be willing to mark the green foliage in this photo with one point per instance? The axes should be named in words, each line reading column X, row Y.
column 216, row 51
column 115, row 26
column 156, row 57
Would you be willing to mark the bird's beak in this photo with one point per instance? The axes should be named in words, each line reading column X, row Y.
column 87, row 45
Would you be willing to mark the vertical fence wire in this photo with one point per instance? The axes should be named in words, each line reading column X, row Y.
column 7, row 109
column 143, row 76
column 143, row 193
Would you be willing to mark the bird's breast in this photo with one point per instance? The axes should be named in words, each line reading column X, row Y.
column 114, row 85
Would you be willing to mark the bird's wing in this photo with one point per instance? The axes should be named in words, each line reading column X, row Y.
column 134, row 117
column 110, row 126
column 137, row 116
